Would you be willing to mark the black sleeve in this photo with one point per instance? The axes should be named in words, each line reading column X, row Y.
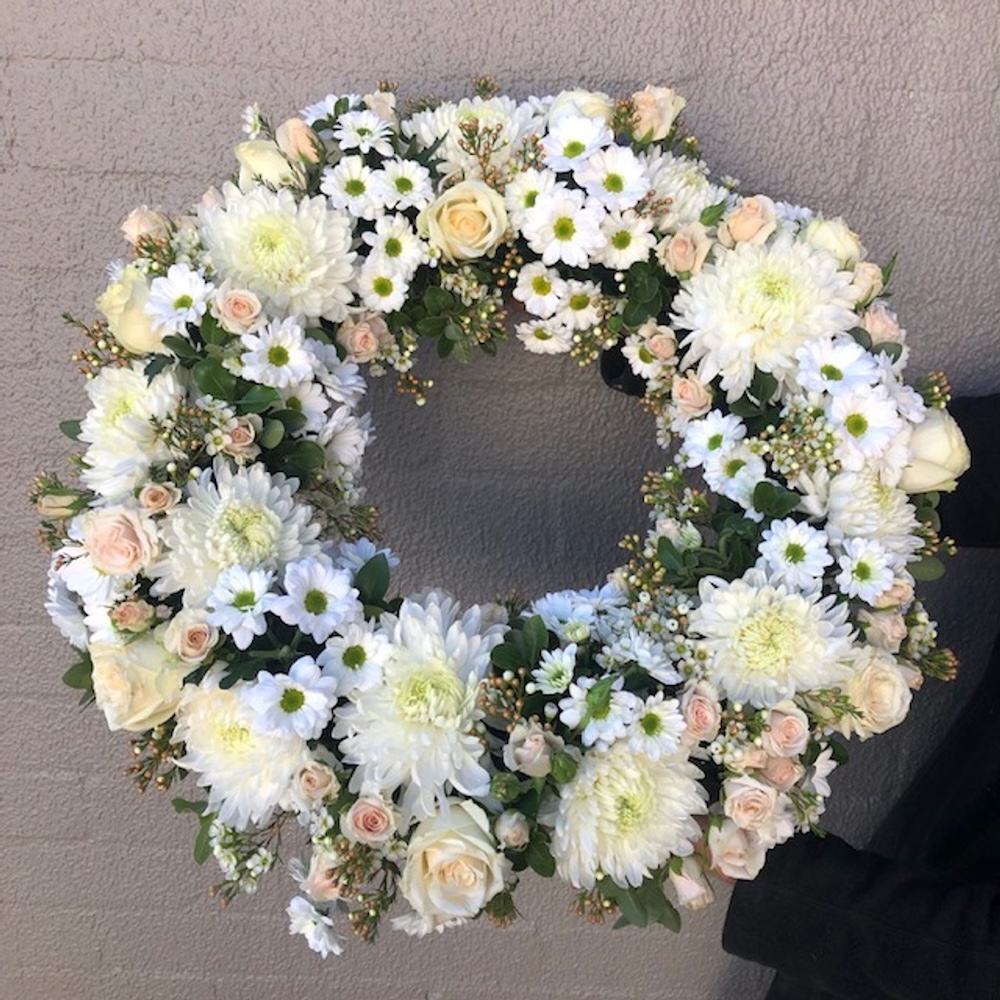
column 971, row 514
column 850, row 924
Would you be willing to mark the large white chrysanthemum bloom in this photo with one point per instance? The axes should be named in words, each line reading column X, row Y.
column 682, row 185
column 766, row 641
column 753, row 307
column 296, row 256
column 623, row 815
column 243, row 517
column 416, row 730
column 247, row 771
column 860, row 505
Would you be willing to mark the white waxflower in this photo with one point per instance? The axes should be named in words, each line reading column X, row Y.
column 350, row 186
column 318, row 597
column 541, row 289
column 572, row 140
column 794, row 553
column 866, row 569
column 239, row 602
column 300, row 701
column 555, row 669
column 402, row 184
column 563, row 226
column 614, row 176
column 277, row 355
column 178, row 298
column 629, row 240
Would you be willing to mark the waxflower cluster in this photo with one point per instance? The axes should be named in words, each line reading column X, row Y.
column 213, row 560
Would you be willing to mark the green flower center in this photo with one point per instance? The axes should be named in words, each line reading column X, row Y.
column 573, row 148
column 767, row 642
column 355, row 187
column 292, row 699
column 831, row 373
column 540, row 333
column 541, row 285
column 382, row 287
column 530, row 197
column 614, row 183
column 579, row 301
column 862, row 571
column 622, row 240
column 630, row 811
column 316, row 602
column 714, row 442
column 354, row 657
column 183, row 302
column 244, row 599
column 403, row 185
column 733, row 466
column 794, row 553
column 651, row 724
column 277, row 355
column 857, row 425
column 393, row 248
column 564, row 228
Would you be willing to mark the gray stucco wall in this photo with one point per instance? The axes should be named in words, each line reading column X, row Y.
column 518, row 473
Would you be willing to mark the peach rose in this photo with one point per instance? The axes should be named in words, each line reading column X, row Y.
column 370, row 820
column 656, row 110
column 683, row 254
column 884, row 629
column 59, row 504
column 691, row 886
column 322, row 883
column 466, row 222
column 120, row 541
column 702, row 712
column 529, row 749
column 238, row 310
column 132, row 616
column 752, row 221
column 240, row 442
column 749, row 803
column 363, row 338
column 660, row 340
column 123, row 303
column 782, row 772
column 691, row 396
column 156, row 498
column 144, row 223
column 189, row 637
column 735, row 853
column 787, row 732
column 898, row 595
column 298, row 141
column 881, row 325
column 315, row 782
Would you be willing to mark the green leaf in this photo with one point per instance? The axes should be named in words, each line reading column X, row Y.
column 203, row 842
column 181, row 347
column 431, row 326
column 372, row 580
column 79, row 676
column 292, row 420
column 745, row 408
column 445, row 347
column 257, row 399
column 437, row 300
column 773, row 500
column 539, row 857
column 156, row 365
column 271, row 435
column 71, row 428
column 187, row 806
column 214, row 380
column 926, row 569
column 635, row 313
column 212, row 333
column 598, row 698
column 861, row 336
column 889, row 348
column 763, row 386
column 536, row 637
column 713, row 214
column 668, row 554
column 888, row 269
column 632, row 912
column 506, row 656
column 298, row 458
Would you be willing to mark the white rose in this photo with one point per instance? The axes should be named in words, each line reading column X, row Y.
column 298, row 141
column 656, row 109
column 468, row 221
column 370, row 820
column 788, row 730
column 683, row 254
column 453, row 868
column 512, row 829
column 144, row 223
column 120, row 541
column 834, row 236
column 123, row 303
column 262, row 162
column 691, row 886
column 867, row 282
column 189, row 637
column 238, row 310
column 939, row 454
column 735, row 853
column 529, row 749
column 752, row 222
column 884, row 629
column 878, row 689
column 573, row 103
column 137, row 685
column 314, row 782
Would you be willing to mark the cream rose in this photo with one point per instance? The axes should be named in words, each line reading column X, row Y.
column 835, row 237
column 315, row 781
column 691, row 396
column 702, row 712
column 881, row 325
column 939, row 454
column 691, row 886
column 588, row 103
column 749, row 803
column 321, row 883
column 735, row 853
column 383, row 103
column 867, row 282
column 156, row 498
column 468, row 221
column 144, row 223
column 123, row 303
column 238, row 310
column 453, row 868
column 59, row 504
column 884, row 629
column 880, row 692
column 370, row 820
column 656, row 110
column 240, row 441
column 529, row 749
column 752, row 221
column 683, row 254
column 364, row 337
column 120, row 541
column 661, row 341
column 297, row 141
column 262, row 162
column 787, row 732
column 898, row 595
column 189, row 637
column 137, row 685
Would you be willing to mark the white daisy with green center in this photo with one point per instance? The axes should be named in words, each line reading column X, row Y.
column 614, row 176
column 564, row 226
column 657, row 727
column 355, row 656
column 541, row 289
column 629, row 240
column 835, row 365
column 794, row 553
column 709, row 437
column 641, row 359
column 523, row 190
column 867, row 423
column 299, row 702
column 309, row 399
column 396, row 243
column 572, row 140
column 735, row 472
column 545, row 336
column 382, row 284
column 294, row 255
column 581, row 308
column 555, row 669
column 350, row 186
column 599, row 708
column 277, row 355
column 239, row 603
column 763, row 642
column 867, row 569
column 177, row 298
column 624, row 815
column 364, row 131
column 402, row 184
column 417, row 730
column 318, row 597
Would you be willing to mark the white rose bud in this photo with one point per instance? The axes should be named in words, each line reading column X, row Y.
column 834, row 236
column 656, row 110
column 682, row 534
column 883, row 629
column 123, row 303
column 867, row 282
column 512, row 829
column 262, row 162
column 735, row 853
column 144, row 223
column 466, row 222
column 938, row 454
column 529, row 749
column 573, row 103
column 898, row 595
column 752, row 221
column 691, row 886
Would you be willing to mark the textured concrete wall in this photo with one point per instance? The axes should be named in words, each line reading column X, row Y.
column 519, row 472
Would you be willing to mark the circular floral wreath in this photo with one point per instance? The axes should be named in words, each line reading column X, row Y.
column 214, row 566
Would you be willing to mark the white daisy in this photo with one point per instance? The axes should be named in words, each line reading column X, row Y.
column 277, row 355
column 563, row 226
column 657, row 727
column 866, row 569
column 315, row 927
column 327, row 108
column 296, row 256
column 581, row 308
column 545, row 336
column 572, row 140
column 523, row 189
column 350, row 186
column 246, row 772
column 602, row 725
column 403, row 184
column 416, row 731
column 867, row 422
column 300, row 701
column 342, row 380
column 541, row 289
column 309, row 399
column 382, row 286
column 555, row 669
column 713, row 435
column 239, row 602
column 354, row 658
column 765, row 642
column 629, row 240
column 735, row 472
column 353, row 555
column 614, row 176
column 396, row 243
column 794, row 553
column 318, row 598
column 364, row 131
column 835, row 365
column 752, row 307
column 178, row 298
column 623, row 815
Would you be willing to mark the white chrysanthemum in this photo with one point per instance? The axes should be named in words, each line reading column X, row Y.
column 277, row 355
column 344, row 439
column 545, row 336
column 351, row 187
column 541, row 289
column 315, row 927
column 522, row 192
column 682, row 185
column 327, row 108
column 242, row 517
column 177, row 298
column 364, row 131
column 64, row 610
column 564, row 613
column 382, row 284
column 395, row 241
column 296, row 256
column 711, row 436
column 835, row 365
column 120, row 428
column 858, row 505
column 629, row 240
column 342, row 380
column 564, row 226
column 572, row 140
column 403, row 184
column 246, row 771
column 753, row 307
column 318, row 597
column 794, row 553
column 765, row 642
column 239, row 602
column 416, row 731
column 624, row 815
column 555, row 669
column 657, row 727
column 355, row 657
column 866, row 569
column 599, row 727
column 353, row 555
column 299, row 702
column 614, row 176
column 581, row 308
